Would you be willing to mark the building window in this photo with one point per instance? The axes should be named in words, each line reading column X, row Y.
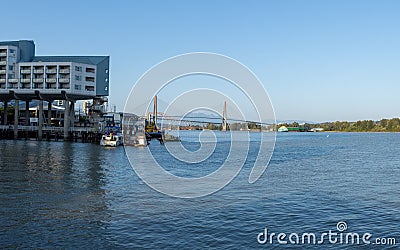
column 78, row 87
column 90, row 70
column 106, row 80
column 89, row 79
column 78, row 78
column 10, row 67
column 89, row 88
column 106, row 71
column 78, row 68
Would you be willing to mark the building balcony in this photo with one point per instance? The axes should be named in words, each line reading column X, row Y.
column 25, row 71
column 63, row 80
column 26, row 80
column 64, row 71
column 13, row 86
column 51, row 80
column 38, row 86
column 51, row 71
column 2, row 80
column 38, row 71
column 3, row 62
column 13, row 80
column 3, row 54
column 38, row 80
column 25, row 86
column 3, row 71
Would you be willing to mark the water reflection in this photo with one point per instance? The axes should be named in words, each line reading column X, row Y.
column 52, row 192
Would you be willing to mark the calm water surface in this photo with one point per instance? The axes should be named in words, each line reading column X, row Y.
column 74, row 195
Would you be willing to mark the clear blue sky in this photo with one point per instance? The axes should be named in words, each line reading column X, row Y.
column 319, row 60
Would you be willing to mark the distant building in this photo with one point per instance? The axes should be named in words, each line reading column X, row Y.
column 53, row 77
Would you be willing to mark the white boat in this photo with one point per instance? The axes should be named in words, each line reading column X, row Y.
column 111, row 140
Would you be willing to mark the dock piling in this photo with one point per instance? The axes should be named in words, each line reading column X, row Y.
column 16, row 114
column 40, row 128
column 66, row 120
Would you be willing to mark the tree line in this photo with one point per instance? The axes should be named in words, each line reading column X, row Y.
column 384, row 125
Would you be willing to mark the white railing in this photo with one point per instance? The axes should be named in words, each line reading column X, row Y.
column 64, row 71
column 38, row 71
column 13, row 80
column 3, row 54
column 3, row 71
column 51, row 80
column 26, row 80
column 63, row 80
column 38, row 80
column 51, row 71
column 25, row 71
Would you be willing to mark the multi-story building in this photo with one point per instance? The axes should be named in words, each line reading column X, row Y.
column 54, row 77
column 25, row 77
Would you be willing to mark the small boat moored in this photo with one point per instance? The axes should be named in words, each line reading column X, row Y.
column 111, row 140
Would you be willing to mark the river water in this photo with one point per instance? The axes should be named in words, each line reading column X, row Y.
column 75, row 195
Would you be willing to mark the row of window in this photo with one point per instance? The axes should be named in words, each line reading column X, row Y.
column 52, row 86
column 77, row 78
column 77, row 68
column 11, row 52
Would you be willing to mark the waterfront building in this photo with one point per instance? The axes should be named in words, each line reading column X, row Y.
column 26, row 77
